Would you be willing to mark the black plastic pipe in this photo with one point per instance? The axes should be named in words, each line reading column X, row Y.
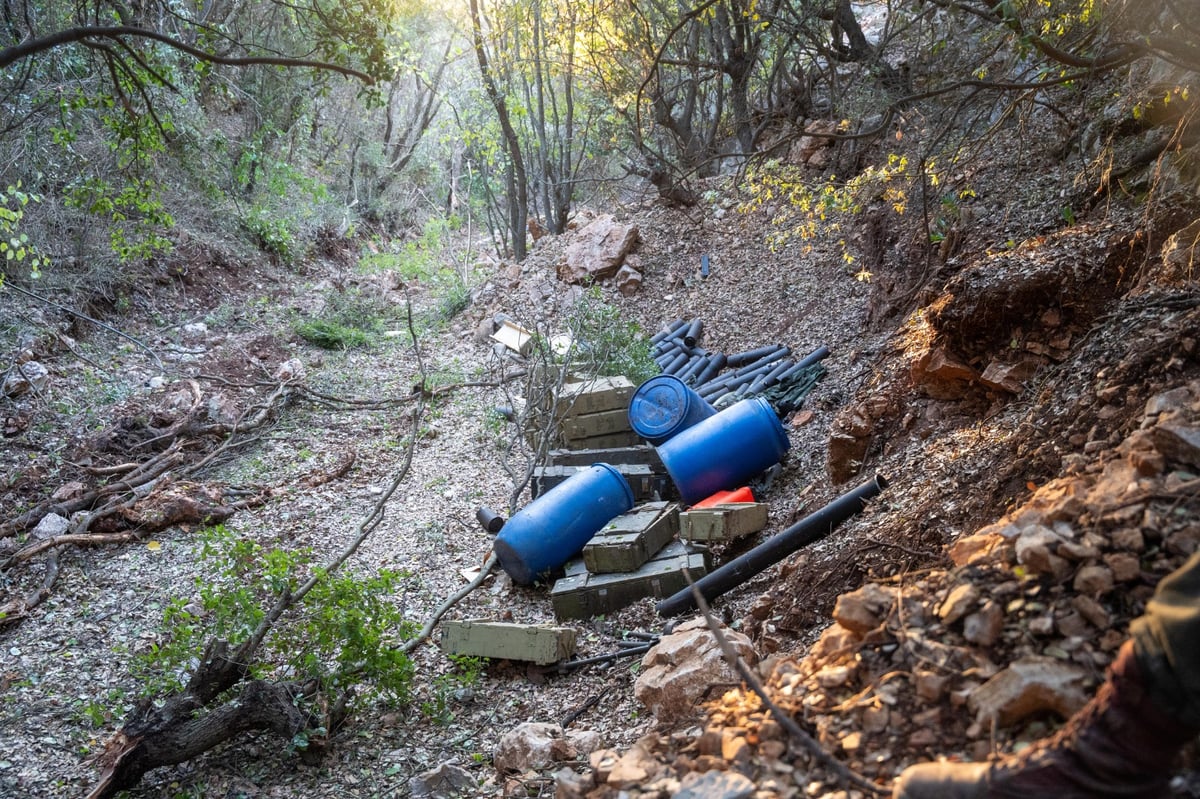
column 692, row 335
column 690, row 371
column 819, row 354
column 811, row 528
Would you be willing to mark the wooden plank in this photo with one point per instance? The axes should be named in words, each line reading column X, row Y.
column 624, row 439
column 632, row 538
column 639, row 453
column 724, row 522
column 537, row 643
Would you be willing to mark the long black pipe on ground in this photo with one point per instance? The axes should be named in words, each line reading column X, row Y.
column 809, row 529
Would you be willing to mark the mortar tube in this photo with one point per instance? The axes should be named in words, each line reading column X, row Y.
column 676, row 364
column 772, row 377
column 715, row 364
column 667, row 331
column 769, row 358
column 489, row 519
column 692, row 369
column 819, row 354
column 692, row 334
column 742, row 358
column 811, row 528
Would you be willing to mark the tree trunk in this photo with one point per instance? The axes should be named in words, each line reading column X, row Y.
column 518, row 196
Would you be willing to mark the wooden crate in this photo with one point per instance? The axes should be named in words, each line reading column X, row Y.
column 639, row 453
column 645, row 484
column 632, row 538
column 537, row 643
column 582, row 595
column 594, row 395
column 623, row 439
column 725, row 522
column 590, row 425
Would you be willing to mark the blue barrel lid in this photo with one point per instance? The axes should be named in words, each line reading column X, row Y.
column 658, row 406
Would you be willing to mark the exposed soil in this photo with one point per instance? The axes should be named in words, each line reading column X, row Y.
column 994, row 378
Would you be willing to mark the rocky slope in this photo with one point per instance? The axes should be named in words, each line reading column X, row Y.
column 1030, row 392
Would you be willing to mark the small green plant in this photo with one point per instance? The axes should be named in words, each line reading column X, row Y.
column 465, row 673
column 331, row 335
column 350, row 319
column 14, row 243
column 605, row 342
column 345, row 637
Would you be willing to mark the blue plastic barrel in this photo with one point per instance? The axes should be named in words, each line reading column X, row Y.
column 545, row 533
column 725, row 450
column 664, row 406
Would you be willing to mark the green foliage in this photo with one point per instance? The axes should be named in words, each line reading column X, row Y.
column 14, row 243
column 345, row 633
column 804, row 208
column 605, row 342
column 466, row 672
column 134, row 210
column 351, row 318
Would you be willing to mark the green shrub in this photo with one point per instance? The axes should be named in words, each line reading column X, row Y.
column 346, row 633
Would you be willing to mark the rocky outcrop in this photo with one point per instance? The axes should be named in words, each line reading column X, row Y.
column 598, row 251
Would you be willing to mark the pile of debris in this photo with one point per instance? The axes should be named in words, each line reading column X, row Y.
column 722, row 379
column 1019, row 630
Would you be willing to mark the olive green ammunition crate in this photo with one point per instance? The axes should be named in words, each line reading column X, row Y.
column 589, row 425
column 725, row 522
column 632, row 538
column 623, row 439
column 639, row 453
column 581, row 595
column 594, row 395
column 537, row 643
column 645, row 484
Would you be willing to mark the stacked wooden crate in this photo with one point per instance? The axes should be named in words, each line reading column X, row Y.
column 635, row 556
column 594, row 413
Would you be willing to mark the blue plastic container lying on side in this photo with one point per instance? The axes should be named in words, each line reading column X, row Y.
column 664, row 406
column 544, row 534
column 725, row 450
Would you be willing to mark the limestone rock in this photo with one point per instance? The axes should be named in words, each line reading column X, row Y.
column 628, row 280
column 865, row 609
column 1178, row 443
column 50, row 526
column 25, row 377
column 1030, row 685
column 598, row 251
column 531, row 746
column 942, row 375
column 958, row 603
column 714, row 785
column 680, row 668
column 445, row 781
column 984, row 627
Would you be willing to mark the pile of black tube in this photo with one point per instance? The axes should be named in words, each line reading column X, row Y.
column 713, row 375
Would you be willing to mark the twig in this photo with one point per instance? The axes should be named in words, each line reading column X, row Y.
column 810, row 744
column 585, row 707
column 98, row 323
column 451, row 601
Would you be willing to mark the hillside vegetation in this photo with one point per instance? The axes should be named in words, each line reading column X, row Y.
column 253, row 255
